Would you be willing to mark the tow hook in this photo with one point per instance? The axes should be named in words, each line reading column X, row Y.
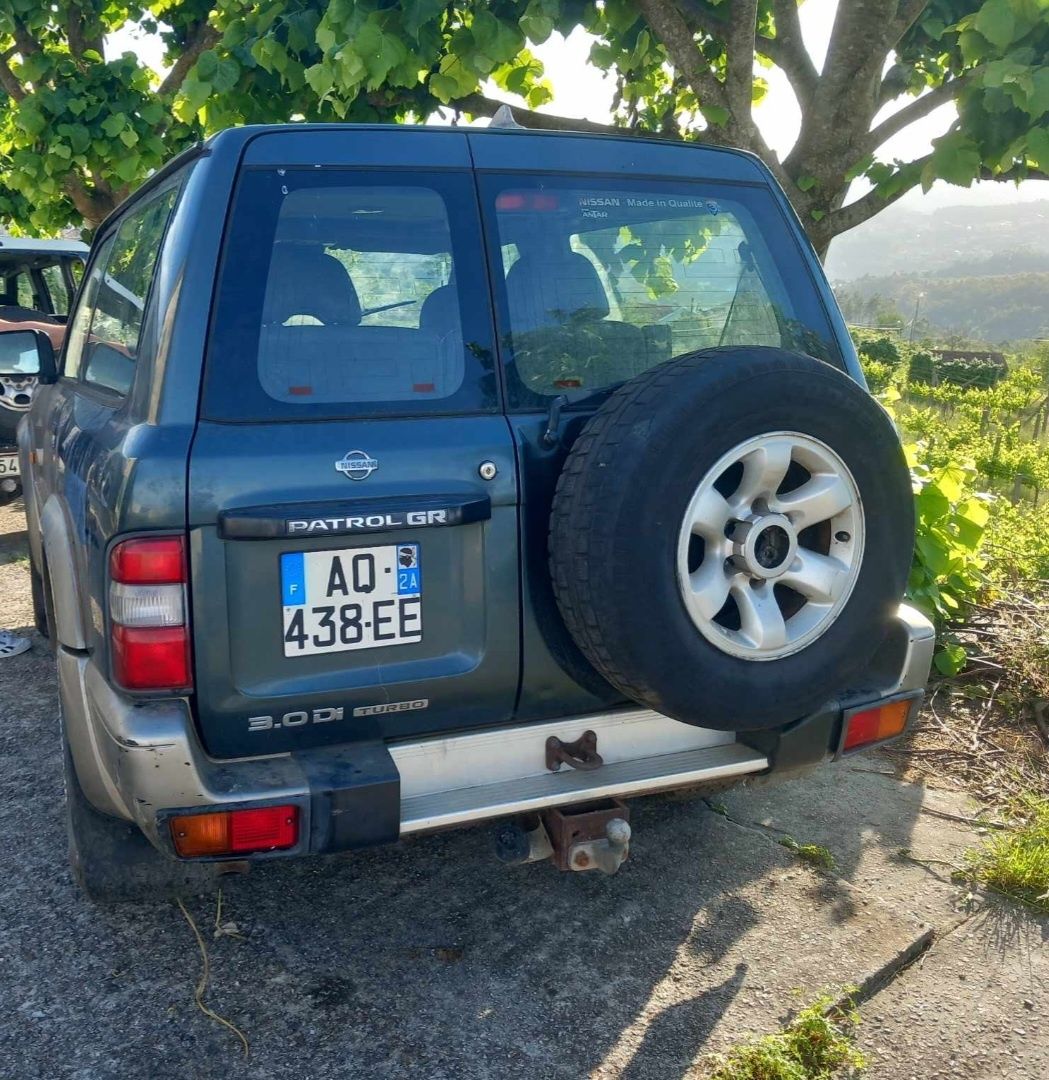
column 591, row 836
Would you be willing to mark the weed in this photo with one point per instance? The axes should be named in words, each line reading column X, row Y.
column 814, row 1045
column 1016, row 863
column 814, row 854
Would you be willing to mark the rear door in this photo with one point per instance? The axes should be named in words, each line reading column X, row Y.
column 352, row 489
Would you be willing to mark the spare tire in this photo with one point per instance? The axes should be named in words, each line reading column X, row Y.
column 730, row 534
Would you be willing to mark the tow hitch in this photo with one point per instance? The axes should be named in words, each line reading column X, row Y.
column 590, row 836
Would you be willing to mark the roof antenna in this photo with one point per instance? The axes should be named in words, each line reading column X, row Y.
column 504, row 118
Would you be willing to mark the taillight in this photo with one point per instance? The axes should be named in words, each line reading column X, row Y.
column 874, row 725
column 236, row 832
column 149, row 638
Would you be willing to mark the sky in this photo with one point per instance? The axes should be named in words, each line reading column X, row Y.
column 581, row 91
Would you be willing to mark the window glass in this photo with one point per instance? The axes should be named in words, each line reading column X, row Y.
column 601, row 280
column 24, row 293
column 56, row 288
column 340, row 295
column 80, row 320
column 119, row 294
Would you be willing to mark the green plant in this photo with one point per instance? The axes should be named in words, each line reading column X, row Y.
column 921, row 369
column 1016, row 863
column 947, row 574
column 816, row 1044
column 813, row 854
column 878, row 375
column 882, row 350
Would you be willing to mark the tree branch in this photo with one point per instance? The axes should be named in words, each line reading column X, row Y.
column 93, row 206
column 480, row 105
column 12, row 87
column 864, row 208
column 908, row 13
column 1016, row 173
column 787, row 50
column 739, row 66
column 676, row 37
column 79, row 40
column 202, row 38
column 918, row 108
column 27, row 44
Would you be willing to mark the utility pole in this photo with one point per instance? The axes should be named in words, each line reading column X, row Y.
column 914, row 321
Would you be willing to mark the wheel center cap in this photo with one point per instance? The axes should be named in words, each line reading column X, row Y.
column 764, row 547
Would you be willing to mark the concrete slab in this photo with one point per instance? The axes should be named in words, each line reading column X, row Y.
column 866, row 818
column 973, row 1008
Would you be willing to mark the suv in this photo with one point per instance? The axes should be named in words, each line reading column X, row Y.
column 38, row 279
column 397, row 478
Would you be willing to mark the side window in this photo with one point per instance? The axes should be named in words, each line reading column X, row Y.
column 25, row 295
column 80, row 320
column 56, row 289
column 119, row 294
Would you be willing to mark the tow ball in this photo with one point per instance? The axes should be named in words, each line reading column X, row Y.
column 589, row 836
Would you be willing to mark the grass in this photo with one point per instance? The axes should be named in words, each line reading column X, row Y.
column 814, row 854
column 1016, row 863
column 815, row 1045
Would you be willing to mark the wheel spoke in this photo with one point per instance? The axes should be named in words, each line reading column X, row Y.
column 763, row 471
column 817, row 577
column 760, row 617
column 710, row 587
column 818, row 499
column 711, row 514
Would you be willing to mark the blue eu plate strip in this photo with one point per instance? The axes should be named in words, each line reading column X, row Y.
column 293, row 579
column 409, row 572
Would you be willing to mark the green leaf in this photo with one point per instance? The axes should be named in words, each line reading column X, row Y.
column 956, row 159
column 950, row 659
column 537, row 28
column 805, row 183
column 207, row 65
column 1038, row 147
column 995, row 20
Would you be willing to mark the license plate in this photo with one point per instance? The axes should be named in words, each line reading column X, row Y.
column 9, row 465
column 352, row 598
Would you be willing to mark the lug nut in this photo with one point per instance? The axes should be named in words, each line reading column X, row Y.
column 842, row 537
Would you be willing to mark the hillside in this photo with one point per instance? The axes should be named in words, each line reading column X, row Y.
column 983, row 271
column 905, row 241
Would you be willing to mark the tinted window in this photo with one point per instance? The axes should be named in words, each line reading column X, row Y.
column 80, row 320
column 341, row 294
column 602, row 279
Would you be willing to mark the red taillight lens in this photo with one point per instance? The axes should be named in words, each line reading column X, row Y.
column 236, row 832
column 874, row 725
column 147, row 611
column 159, row 560
column 151, row 658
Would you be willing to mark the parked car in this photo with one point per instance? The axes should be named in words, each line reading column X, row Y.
column 38, row 279
column 394, row 479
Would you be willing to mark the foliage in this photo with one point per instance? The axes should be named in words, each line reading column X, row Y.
column 882, row 349
column 816, row 1044
column 77, row 130
column 948, row 569
column 921, row 369
column 970, row 371
column 879, row 376
column 1015, row 863
column 814, row 854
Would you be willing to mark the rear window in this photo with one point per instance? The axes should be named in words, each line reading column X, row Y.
column 602, row 279
column 345, row 293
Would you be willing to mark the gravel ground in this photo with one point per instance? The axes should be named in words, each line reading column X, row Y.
column 430, row 958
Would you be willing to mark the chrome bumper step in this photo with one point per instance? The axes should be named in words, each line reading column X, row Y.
column 636, row 776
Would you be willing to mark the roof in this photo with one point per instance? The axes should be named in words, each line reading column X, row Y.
column 32, row 246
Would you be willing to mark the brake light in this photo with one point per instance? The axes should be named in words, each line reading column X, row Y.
column 875, row 725
column 236, row 832
column 147, row 611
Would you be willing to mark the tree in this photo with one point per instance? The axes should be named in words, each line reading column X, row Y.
column 684, row 69
column 78, row 132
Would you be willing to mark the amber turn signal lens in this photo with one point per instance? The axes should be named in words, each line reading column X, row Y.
column 874, row 725
column 235, row 832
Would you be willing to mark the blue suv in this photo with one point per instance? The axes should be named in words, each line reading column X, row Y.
column 391, row 479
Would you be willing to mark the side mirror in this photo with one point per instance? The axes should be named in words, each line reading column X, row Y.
column 28, row 352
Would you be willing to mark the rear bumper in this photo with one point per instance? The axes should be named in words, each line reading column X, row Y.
column 144, row 762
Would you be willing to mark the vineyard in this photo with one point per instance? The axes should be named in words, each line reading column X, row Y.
column 977, row 441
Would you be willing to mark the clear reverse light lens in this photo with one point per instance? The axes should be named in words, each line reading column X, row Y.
column 146, row 605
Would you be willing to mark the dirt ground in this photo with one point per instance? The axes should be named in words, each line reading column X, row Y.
column 431, row 958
